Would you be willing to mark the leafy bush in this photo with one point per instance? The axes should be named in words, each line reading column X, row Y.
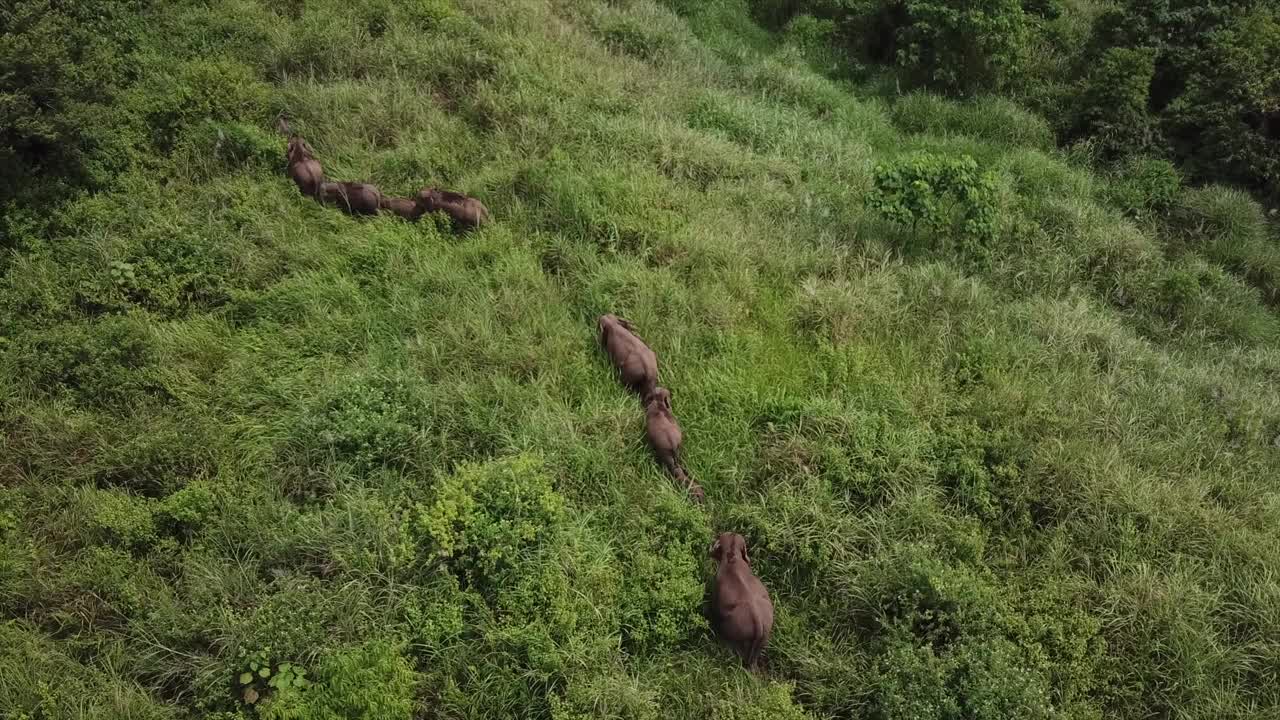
column 370, row 423
column 219, row 89
column 107, row 363
column 1111, row 109
column 368, row 681
column 962, row 46
column 661, row 595
column 485, row 517
column 234, row 146
column 937, row 193
column 61, row 67
column 1225, row 125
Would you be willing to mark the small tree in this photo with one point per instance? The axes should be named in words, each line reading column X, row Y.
column 963, row 46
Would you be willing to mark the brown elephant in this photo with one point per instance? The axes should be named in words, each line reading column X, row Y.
column 465, row 212
column 304, row 168
column 404, row 207
column 351, row 197
column 637, row 364
column 741, row 611
column 666, row 439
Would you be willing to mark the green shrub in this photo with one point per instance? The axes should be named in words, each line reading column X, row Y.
column 107, row 363
column 220, row 89
column 1226, row 124
column 937, row 193
column 661, row 596
column 776, row 13
column 371, row 422
column 119, row 518
column 234, row 146
column 815, row 38
column 963, row 46
column 485, row 517
column 1111, row 109
column 188, row 510
column 372, row 680
column 61, row 67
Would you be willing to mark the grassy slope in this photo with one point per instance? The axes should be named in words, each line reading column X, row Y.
column 1036, row 482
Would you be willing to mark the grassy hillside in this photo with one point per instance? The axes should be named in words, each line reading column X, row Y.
column 1024, row 473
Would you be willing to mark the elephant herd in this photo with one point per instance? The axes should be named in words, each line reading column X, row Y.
column 741, row 611
column 359, row 198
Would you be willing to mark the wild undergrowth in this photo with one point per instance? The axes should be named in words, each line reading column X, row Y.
column 1000, row 432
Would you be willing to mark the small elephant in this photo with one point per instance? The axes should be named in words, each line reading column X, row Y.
column 404, row 207
column 637, row 364
column 465, row 212
column 304, row 168
column 351, row 197
column 741, row 611
column 666, row 439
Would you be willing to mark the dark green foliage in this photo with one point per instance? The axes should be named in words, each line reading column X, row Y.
column 61, row 66
column 957, row 47
column 963, row 47
column 1111, row 110
column 1196, row 82
column 1225, row 124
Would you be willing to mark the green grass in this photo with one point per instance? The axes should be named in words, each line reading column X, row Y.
column 1033, row 478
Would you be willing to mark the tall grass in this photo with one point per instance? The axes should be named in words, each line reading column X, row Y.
column 1034, row 478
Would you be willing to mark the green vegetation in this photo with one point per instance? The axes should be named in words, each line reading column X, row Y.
column 1000, row 428
column 1190, row 81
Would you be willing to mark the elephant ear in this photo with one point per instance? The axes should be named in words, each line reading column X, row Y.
column 715, row 548
column 745, row 559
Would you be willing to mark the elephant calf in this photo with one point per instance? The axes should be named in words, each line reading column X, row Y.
column 666, row 439
column 304, row 168
column 637, row 364
column 741, row 611
column 404, row 207
column 465, row 212
column 354, row 198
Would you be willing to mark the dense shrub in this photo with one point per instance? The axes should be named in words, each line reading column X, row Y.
column 961, row 47
column 937, row 194
column 1225, row 124
column 61, row 67
column 1111, row 109
column 369, row 681
column 371, row 423
column 485, row 517
column 1197, row 82
column 955, row 47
